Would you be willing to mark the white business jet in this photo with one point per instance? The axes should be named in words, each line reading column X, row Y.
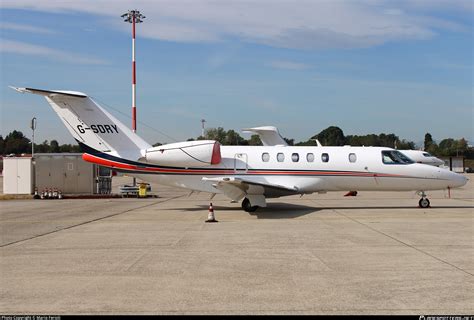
column 248, row 173
column 424, row 157
column 270, row 136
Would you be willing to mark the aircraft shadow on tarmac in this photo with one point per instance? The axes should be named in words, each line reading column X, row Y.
column 273, row 211
column 395, row 207
column 283, row 211
column 290, row 211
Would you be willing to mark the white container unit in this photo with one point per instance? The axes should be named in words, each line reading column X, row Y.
column 17, row 175
column 66, row 172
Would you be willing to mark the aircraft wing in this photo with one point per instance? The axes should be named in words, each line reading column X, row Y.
column 237, row 188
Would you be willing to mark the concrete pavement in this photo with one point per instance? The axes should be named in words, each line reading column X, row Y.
column 376, row 253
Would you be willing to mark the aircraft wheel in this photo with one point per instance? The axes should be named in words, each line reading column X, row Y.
column 424, row 203
column 247, row 206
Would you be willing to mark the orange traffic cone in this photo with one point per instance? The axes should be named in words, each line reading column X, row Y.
column 210, row 216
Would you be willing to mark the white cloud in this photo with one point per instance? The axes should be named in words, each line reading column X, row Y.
column 25, row 28
column 290, row 24
column 394, row 12
column 465, row 6
column 288, row 65
column 17, row 47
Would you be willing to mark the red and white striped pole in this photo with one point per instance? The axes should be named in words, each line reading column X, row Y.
column 133, row 16
column 134, row 80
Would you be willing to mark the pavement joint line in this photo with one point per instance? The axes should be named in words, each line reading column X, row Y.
column 185, row 232
column 400, row 241
column 137, row 260
column 464, row 199
column 320, row 260
column 87, row 222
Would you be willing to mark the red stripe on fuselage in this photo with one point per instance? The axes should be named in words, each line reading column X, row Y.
column 120, row 165
column 138, row 169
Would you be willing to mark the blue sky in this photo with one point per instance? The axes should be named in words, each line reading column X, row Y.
column 366, row 66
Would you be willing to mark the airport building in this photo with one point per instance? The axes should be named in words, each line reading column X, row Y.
column 455, row 164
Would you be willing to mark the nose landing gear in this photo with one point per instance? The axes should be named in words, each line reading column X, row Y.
column 424, row 202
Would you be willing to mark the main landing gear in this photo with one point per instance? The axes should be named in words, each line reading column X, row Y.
column 247, row 206
column 424, row 202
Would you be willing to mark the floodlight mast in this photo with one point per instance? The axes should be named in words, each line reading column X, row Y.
column 33, row 127
column 133, row 16
column 202, row 123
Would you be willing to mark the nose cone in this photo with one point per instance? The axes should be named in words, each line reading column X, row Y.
column 457, row 180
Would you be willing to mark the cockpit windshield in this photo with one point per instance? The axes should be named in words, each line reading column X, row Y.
column 395, row 157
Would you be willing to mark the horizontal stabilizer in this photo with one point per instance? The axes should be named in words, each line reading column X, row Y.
column 50, row 93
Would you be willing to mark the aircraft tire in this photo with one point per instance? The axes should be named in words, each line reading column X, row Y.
column 247, row 206
column 424, row 203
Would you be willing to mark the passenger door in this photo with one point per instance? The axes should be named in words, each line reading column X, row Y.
column 240, row 163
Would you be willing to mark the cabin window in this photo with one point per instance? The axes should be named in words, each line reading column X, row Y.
column 352, row 157
column 280, row 157
column 395, row 157
column 325, row 157
column 265, row 157
column 310, row 157
column 295, row 157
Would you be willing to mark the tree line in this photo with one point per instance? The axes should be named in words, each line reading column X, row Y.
column 16, row 143
column 334, row 136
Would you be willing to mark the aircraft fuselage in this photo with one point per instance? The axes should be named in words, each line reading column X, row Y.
column 303, row 168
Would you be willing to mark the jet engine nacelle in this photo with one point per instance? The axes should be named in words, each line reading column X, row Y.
column 185, row 154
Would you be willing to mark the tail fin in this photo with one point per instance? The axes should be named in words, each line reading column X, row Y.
column 92, row 126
